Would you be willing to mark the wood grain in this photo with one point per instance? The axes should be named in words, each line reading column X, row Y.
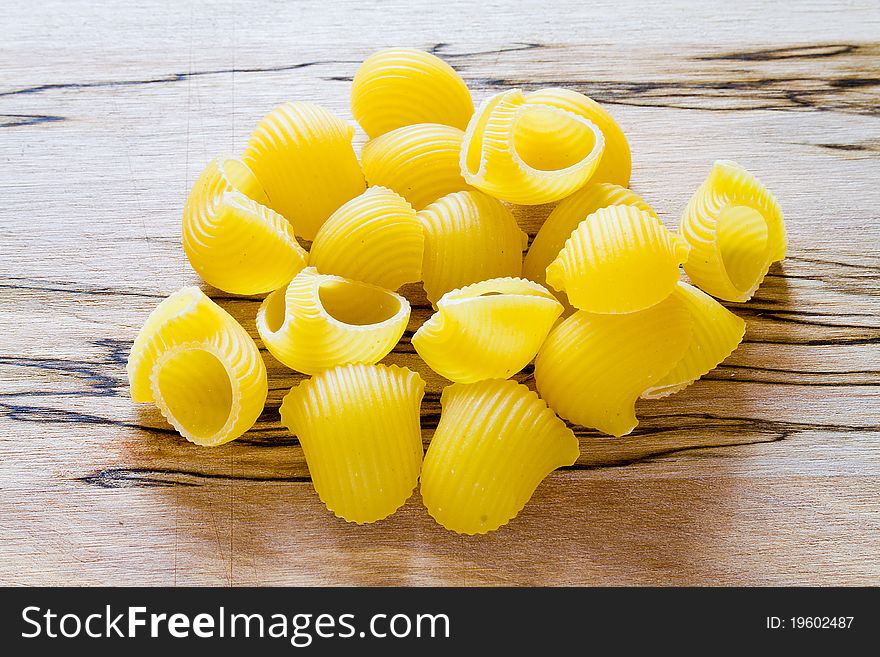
column 767, row 471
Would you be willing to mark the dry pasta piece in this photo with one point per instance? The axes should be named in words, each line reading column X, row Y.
column 302, row 155
column 200, row 367
column 402, row 86
column 495, row 442
column 715, row 334
column 736, row 230
column 615, row 166
column 592, row 368
column 488, row 330
column 529, row 153
column 359, row 430
column 321, row 320
column 375, row 238
column 232, row 240
column 469, row 237
column 419, row 162
column 620, row 259
column 565, row 217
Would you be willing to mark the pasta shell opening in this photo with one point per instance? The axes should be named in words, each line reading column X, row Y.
column 548, row 139
column 321, row 320
column 736, row 229
column 274, row 311
column 239, row 177
column 743, row 242
column 529, row 153
column 194, row 391
column 357, row 304
column 476, row 132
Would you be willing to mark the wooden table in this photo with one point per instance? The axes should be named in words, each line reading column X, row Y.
column 766, row 472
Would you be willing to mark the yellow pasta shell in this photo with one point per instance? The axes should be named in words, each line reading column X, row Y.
column 529, row 153
column 302, row 155
column 715, row 334
column 495, row 442
column 592, row 368
column 620, row 259
column 469, row 237
column 565, row 217
column 232, row 240
column 375, row 238
column 402, row 86
column 200, row 367
column 736, row 230
column 321, row 320
column 359, row 430
column 419, row 162
column 615, row 165
column 488, row 330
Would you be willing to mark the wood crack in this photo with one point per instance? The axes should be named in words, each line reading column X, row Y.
column 21, row 120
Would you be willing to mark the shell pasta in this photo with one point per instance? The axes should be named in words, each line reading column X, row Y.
column 495, row 442
column 419, row 162
column 597, row 305
column 736, row 230
column 402, row 86
column 321, row 320
column 529, row 153
column 359, row 429
column 715, row 333
column 566, row 216
column 488, row 330
column 302, row 155
column 620, row 259
column 200, row 367
column 469, row 237
column 232, row 240
column 592, row 368
column 615, row 165
column 375, row 238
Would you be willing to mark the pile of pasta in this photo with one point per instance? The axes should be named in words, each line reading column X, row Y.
column 597, row 303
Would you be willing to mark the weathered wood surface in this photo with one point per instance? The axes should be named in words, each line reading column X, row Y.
column 767, row 471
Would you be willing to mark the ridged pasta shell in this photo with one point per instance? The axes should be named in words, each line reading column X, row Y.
column 402, row 86
column 736, row 230
column 302, row 155
column 419, row 162
column 200, row 367
column 359, row 429
column 615, row 165
column 495, row 442
column 375, row 238
column 565, row 217
column 469, row 237
column 233, row 241
column 620, row 259
column 592, row 368
column 529, row 153
column 488, row 330
column 321, row 320
column 715, row 334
